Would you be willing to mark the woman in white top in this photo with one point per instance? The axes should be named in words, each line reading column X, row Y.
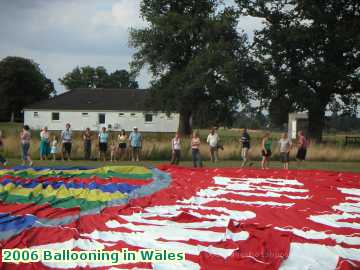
column 285, row 147
column 54, row 146
column 213, row 141
column 176, row 149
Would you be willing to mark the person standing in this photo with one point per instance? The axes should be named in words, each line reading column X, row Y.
column 122, row 145
column 285, row 147
column 3, row 161
column 25, row 138
column 87, row 137
column 266, row 150
column 213, row 141
column 103, row 143
column 54, row 150
column 302, row 147
column 114, row 148
column 176, row 149
column 195, row 150
column 245, row 141
column 44, row 143
column 66, row 141
column 135, row 140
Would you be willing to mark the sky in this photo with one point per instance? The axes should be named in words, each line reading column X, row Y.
column 62, row 34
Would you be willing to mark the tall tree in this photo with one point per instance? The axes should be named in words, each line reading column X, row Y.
column 90, row 77
column 196, row 56
column 21, row 83
column 311, row 48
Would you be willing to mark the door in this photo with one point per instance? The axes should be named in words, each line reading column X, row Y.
column 102, row 117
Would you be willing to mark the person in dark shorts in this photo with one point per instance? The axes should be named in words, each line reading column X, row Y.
column 136, row 143
column 245, row 141
column 285, row 147
column 302, row 147
column 122, row 142
column 66, row 140
column 103, row 143
column 87, row 137
column 266, row 150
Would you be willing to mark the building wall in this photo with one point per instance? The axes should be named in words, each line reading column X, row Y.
column 80, row 120
column 297, row 122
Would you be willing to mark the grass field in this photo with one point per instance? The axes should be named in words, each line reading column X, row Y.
column 308, row 165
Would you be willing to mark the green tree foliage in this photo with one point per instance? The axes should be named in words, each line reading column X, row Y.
column 200, row 63
column 90, row 77
column 21, row 83
column 311, row 49
column 250, row 117
column 279, row 109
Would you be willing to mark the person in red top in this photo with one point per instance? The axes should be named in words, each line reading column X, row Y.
column 2, row 159
column 302, row 147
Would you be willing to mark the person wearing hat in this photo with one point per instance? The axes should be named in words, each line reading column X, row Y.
column 135, row 140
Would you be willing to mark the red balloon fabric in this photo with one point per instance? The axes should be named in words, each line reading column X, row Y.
column 226, row 218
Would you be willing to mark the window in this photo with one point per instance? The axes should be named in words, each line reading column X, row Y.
column 101, row 118
column 55, row 116
column 148, row 117
column 121, row 114
column 133, row 114
column 36, row 114
column 85, row 114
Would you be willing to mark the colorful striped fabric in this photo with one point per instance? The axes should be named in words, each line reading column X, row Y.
column 46, row 196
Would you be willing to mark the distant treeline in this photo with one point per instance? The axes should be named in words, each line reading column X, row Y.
column 259, row 120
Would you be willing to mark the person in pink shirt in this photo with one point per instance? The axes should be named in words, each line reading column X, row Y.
column 3, row 161
column 195, row 150
column 302, row 147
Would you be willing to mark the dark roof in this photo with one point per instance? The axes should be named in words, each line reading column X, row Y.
column 95, row 99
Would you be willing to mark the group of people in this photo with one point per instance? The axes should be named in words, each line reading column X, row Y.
column 285, row 145
column 213, row 141
column 121, row 147
column 125, row 147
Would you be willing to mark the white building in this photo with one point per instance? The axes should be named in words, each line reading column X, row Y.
column 94, row 108
column 297, row 122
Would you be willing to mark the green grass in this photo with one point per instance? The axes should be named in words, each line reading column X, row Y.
column 332, row 166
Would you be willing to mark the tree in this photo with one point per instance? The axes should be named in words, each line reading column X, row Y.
column 279, row 109
column 311, row 50
column 198, row 59
column 123, row 79
column 89, row 77
column 21, row 83
column 250, row 117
